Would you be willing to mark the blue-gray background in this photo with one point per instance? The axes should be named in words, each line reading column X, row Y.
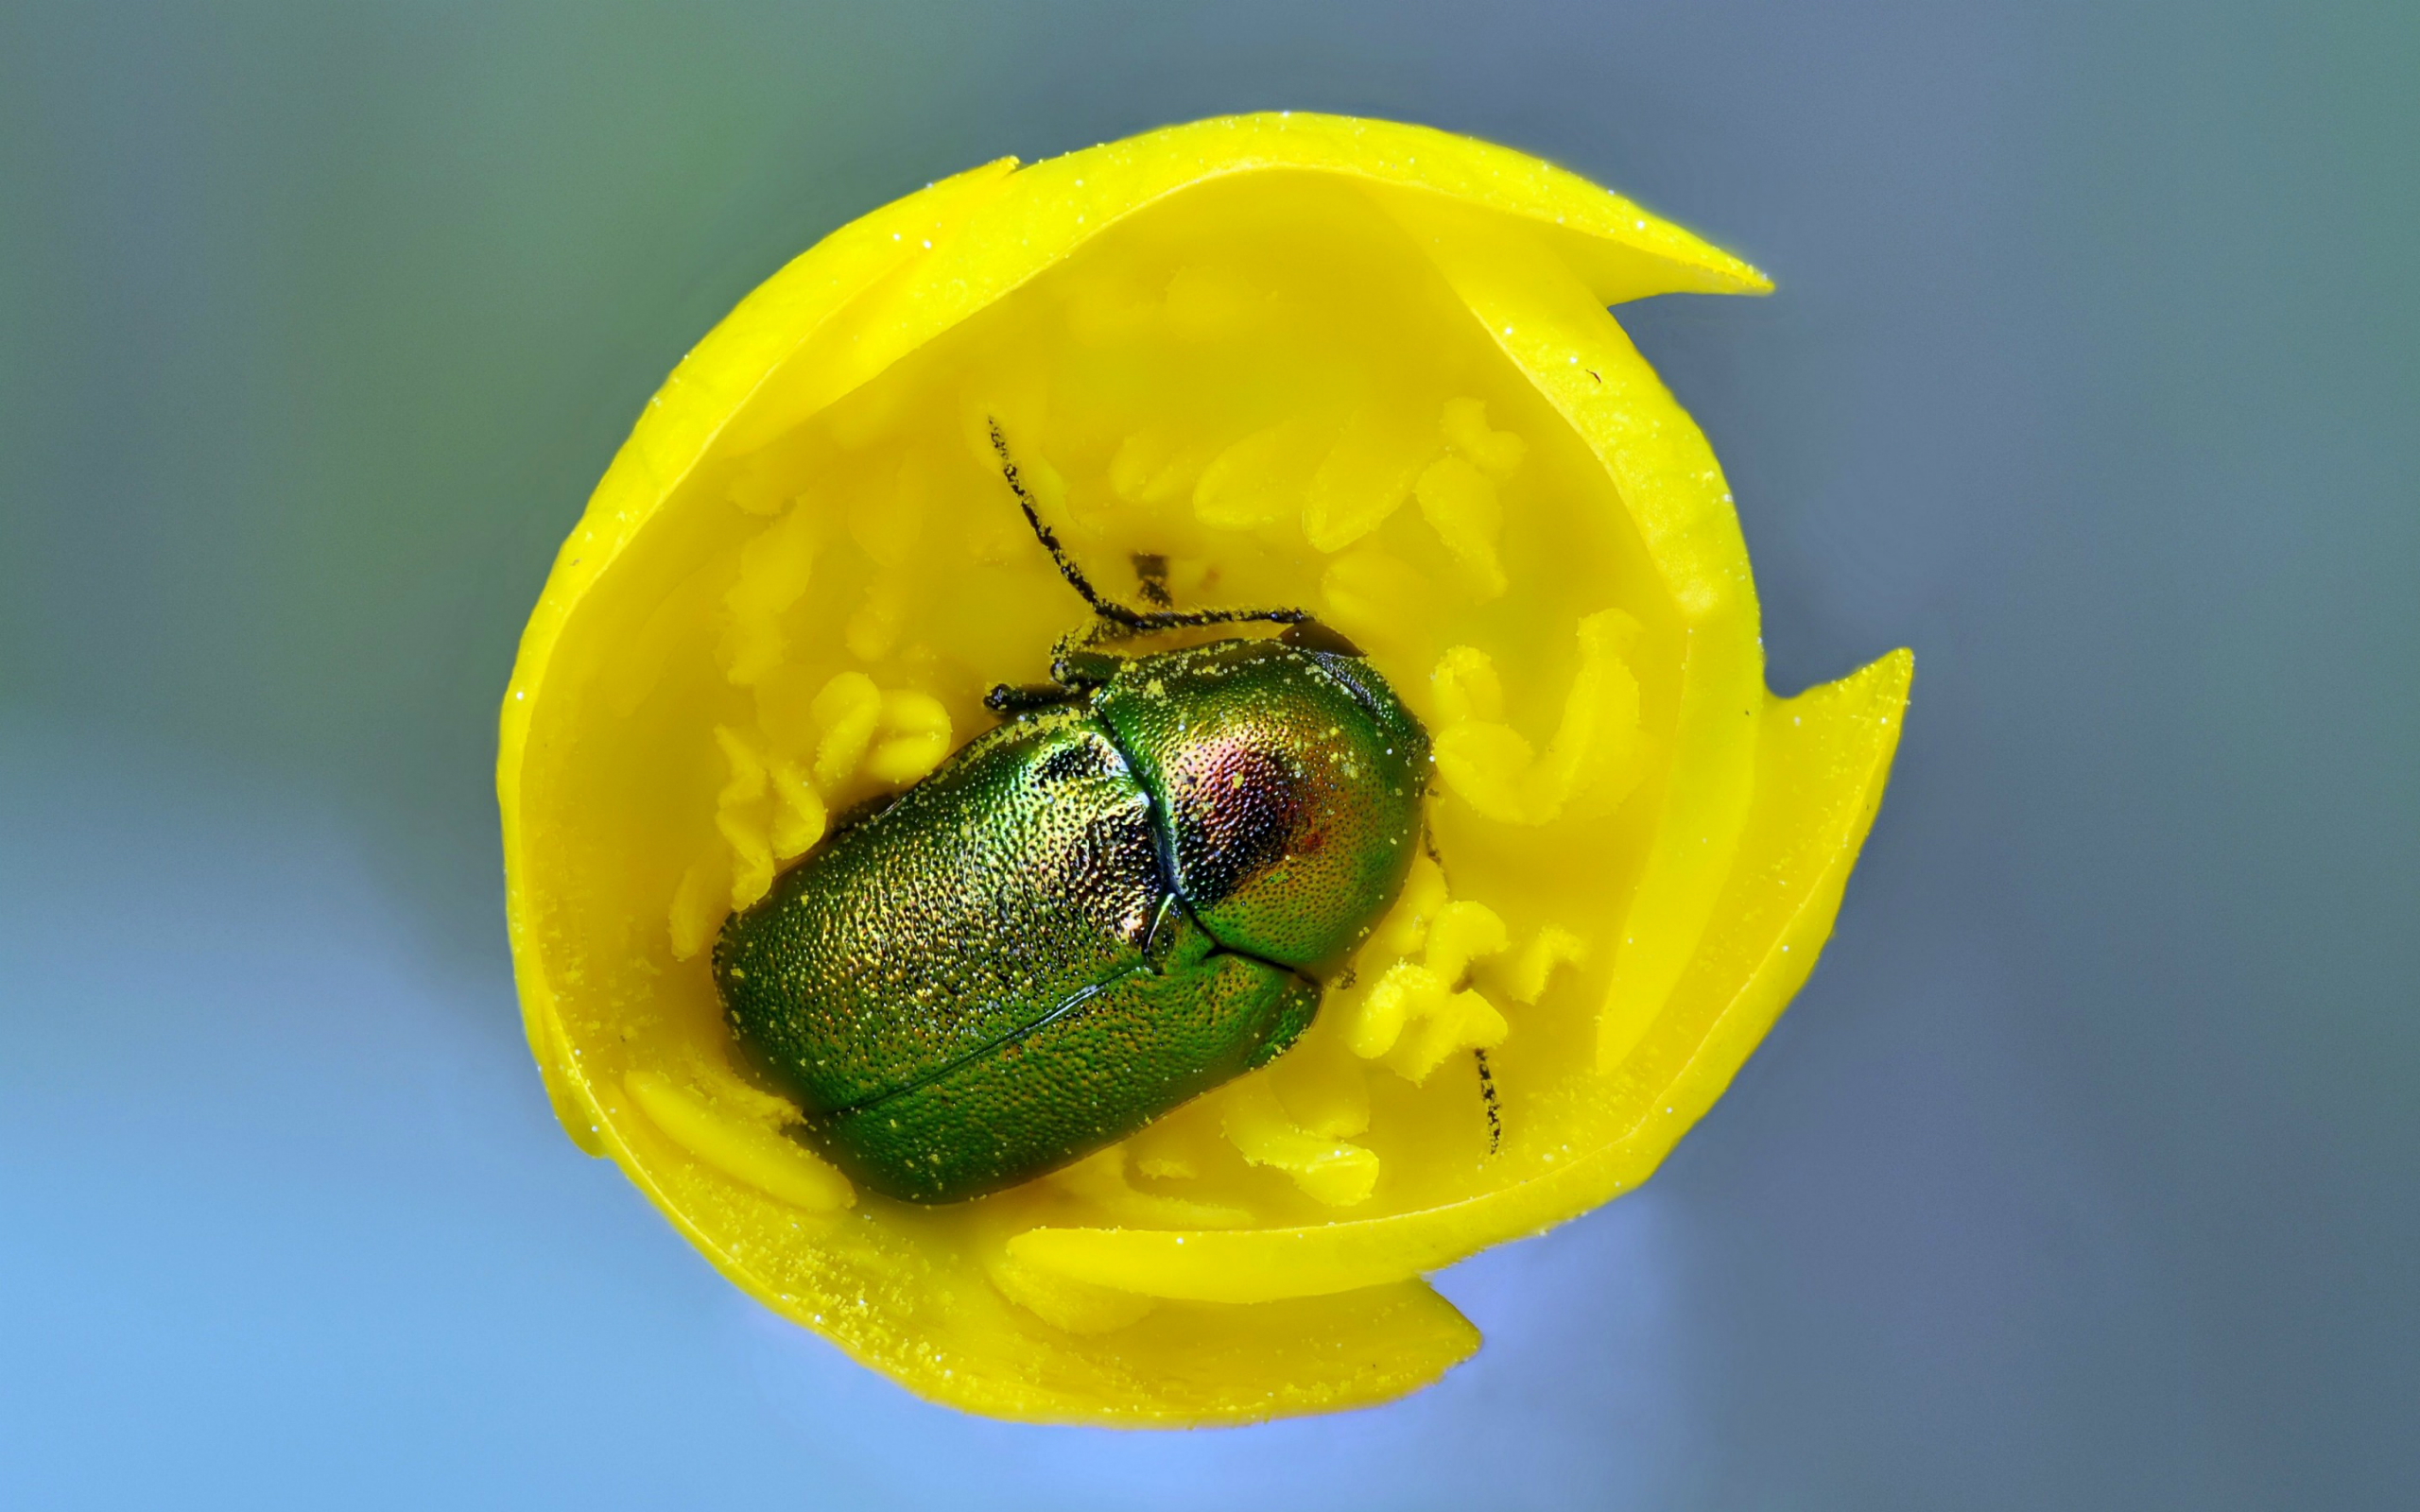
column 2081, row 1174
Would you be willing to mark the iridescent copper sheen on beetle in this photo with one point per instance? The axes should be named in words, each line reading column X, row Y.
column 1084, row 918
column 1286, row 785
column 1124, row 896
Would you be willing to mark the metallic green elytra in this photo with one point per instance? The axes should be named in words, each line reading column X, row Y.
column 1101, row 908
column 1123, row 896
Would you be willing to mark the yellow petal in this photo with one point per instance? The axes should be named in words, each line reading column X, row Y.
column 602, row 736
column 1821, row 766
column 746, row 1152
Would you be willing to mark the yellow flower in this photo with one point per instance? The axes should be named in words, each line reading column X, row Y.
column 1361, row 367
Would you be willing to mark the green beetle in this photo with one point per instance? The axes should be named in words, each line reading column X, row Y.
column 1126, row 893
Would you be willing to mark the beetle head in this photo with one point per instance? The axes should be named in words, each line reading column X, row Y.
column 1288, row 782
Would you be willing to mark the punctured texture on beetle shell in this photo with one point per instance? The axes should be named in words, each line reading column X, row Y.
column 1057, row 936
column 1022, row 871
column 1084, row 1078
column 1289, row 785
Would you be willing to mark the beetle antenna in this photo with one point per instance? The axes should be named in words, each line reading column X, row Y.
column 1108, row 609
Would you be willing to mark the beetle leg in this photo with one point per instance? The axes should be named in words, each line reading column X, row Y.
column 1081, row 672
column 1009, row 699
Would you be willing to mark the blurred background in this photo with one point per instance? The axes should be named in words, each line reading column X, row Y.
column 2082, row 1172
